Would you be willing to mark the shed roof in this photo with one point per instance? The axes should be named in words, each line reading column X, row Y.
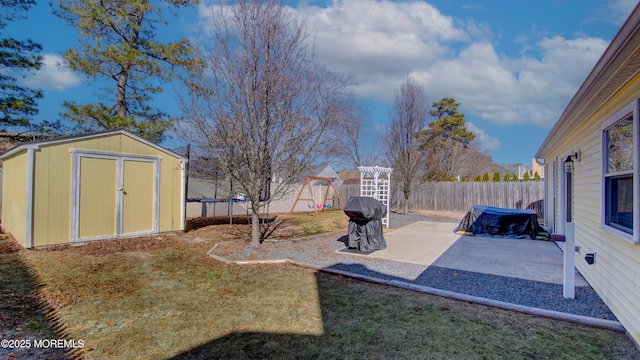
column 619, row 63
column 64, row 139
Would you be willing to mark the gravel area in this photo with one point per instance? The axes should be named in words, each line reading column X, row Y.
column 323, row 251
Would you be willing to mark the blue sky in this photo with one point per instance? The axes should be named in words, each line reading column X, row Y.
column 513, row 65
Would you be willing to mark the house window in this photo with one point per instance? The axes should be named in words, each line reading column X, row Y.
column 620, row 167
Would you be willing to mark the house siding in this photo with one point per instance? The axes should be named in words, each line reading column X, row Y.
column 616, row 273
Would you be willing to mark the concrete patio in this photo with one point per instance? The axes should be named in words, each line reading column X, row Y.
column 433, row 243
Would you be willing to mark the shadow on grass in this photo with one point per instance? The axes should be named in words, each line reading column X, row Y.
column 23, row 316
column 360, row 336
column 200, row 222
column 365, row 321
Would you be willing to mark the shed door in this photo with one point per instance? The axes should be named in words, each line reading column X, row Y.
column 113, row 195
column 137, row 197
column 97, row 196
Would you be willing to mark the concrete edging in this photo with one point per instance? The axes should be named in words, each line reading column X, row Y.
column 551, row 314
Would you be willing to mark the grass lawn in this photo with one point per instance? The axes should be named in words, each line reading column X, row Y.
column 162, row 297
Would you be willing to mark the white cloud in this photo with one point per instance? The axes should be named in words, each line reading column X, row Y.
column 522, row 90
column 383, row 42
column 621, row 9
column 485, row 142
column 54, row 74
column 380, row 41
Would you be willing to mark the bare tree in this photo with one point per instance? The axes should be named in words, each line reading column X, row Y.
column 474, row 162
column 259, row 102
column 351, row 144
column 402, row 141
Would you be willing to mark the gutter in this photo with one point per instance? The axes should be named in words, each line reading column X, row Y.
column 613, row 59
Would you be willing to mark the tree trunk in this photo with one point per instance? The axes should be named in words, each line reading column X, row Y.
column 255, row 229
column 122, row 95
column 137, row 18
column 406, row 205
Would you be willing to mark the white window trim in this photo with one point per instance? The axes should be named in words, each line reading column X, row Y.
column 632, row 108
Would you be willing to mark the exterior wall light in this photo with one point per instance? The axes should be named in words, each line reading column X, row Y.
column 568, row 163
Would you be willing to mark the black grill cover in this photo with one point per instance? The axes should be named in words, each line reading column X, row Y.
column 492, row 221
column 365, row 224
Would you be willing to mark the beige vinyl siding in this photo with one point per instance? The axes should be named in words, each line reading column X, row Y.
column 587, row 179
column 616, row 272
column 553, row 195
column 14, row 190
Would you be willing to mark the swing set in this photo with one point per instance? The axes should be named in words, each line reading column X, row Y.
column 326, row 200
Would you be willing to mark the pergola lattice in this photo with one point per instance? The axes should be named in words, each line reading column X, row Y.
column 375, row 182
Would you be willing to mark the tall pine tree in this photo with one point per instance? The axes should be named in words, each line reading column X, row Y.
column 119, row 45
column 18, row 104
column 446, row 140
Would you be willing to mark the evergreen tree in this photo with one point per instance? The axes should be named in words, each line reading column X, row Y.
column 119, row 45
column 485, row 177
column 496, row 177
column 478, row 178
column 515, row 177
column 526, row 176
column 18, row 104
column 536, row 176
column 507, row 178
column 446, row 140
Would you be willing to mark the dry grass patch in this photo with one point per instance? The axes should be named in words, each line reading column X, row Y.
column 23, row 316
column 313, row 223
column 278, row 227
column 171, row 299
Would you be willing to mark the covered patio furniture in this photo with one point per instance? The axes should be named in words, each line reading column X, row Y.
column 483, row 220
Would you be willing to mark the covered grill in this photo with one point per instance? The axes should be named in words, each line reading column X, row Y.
column 365, row 224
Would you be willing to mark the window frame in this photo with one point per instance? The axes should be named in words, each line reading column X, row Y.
column 634, row 236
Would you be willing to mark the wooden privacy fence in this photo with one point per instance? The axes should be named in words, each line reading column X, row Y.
column 460, row 196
